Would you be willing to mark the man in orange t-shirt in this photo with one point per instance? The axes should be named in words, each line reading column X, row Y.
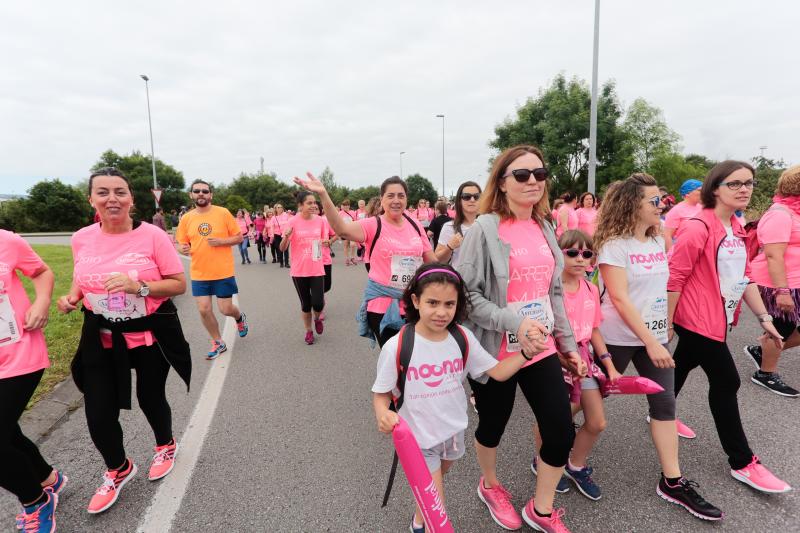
column 206, row 234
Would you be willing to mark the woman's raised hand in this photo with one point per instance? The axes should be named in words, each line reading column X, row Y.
column 311, row 184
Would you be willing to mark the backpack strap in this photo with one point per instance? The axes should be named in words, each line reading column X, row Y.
column 461, row 339
column 374, row 239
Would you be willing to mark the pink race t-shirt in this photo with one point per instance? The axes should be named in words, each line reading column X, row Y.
column 572, row 219
column 278, row 223
column 530, row 271
column 778, row 225
column 145, row 254
column 587, row 220
column 583, row 310
column 329, row 234
column 679, row 213
column 305, row 246
column 21, row 351
column 394, row 257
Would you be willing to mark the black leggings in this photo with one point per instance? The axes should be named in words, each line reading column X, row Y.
column 542, row 383
column 715, row 359
column 22, row 467
column 328, row 277
column 311, row 292
column 374, row 323
column 283, row 257
column 102, row 410
column 262, row 248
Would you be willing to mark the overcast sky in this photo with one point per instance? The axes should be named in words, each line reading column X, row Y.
column 350, row 84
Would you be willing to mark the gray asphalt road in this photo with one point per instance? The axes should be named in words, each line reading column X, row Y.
column 294, row 447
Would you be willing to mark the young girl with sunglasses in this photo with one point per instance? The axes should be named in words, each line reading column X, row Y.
column 435, row 407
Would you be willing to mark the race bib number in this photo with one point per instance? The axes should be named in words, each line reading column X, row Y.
column 316, row 250
column 732, row 291
column 539, row 310
column 117, row 307
column 654, row 314
column 9, row 332
column 403, row 269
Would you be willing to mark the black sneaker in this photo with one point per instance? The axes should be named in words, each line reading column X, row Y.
column 773, row 382
column 686, row 496
column 754, row 352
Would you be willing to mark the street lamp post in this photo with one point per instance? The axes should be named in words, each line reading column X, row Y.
column 150, row 122
column 593, row 110
column 401, row 164
column 442, row 117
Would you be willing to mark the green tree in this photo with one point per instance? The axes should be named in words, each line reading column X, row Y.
column 420, row 187
column 337, row 192
column 700, row 161
column 363, row 193
column 671, row 169
column 648, row 133
column 56, row 206
column 258, row 190
column 137, row 167
column 234, row 202
column 14, row 216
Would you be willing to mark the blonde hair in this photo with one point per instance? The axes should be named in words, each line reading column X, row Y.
column 789, row 182
column 619, row 211
column 493, row 200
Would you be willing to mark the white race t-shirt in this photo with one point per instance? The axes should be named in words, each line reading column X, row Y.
column 647, row 271
column 447, row 233
column 731, row 262
column 434, row 403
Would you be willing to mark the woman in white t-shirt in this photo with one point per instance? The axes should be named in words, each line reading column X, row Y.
column 634, row 272
column 453, row 232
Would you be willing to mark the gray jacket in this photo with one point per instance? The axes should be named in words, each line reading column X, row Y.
column 484, row 267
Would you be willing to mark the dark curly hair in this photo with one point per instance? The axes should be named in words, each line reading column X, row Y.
column 422, row 280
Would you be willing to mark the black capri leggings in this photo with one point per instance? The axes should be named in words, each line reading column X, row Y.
column 662, row 404
column 283, row 257
column 22, row 468
column 311, row 292
column 102, row 410
column 374, row 323
column 328, row 277
column 542, row 383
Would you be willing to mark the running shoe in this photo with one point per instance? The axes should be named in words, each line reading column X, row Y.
column 108, row 492
column 40, row 518
column 683, row 430
column 498, row 501
column 163, row 461
column 772, row 381
column 753, row 351
column 563, row 483
column 548, row 524
column 757, row 476
column 217, row 347
column 685, row 495
column 56, row 487
column 413, row 529
column 242, row 326
column 309, row 337
column 319, row 326
column 582, row 479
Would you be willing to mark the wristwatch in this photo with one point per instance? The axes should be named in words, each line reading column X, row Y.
column 766, row 317
column 144, row 289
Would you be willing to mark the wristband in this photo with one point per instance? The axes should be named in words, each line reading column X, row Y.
column 604, row 356
column 525, row 356
column 449, row 247
column 783, row 290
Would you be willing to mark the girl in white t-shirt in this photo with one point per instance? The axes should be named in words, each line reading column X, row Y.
column 434, row 401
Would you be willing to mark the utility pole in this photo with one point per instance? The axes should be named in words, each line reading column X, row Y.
column 593, row 111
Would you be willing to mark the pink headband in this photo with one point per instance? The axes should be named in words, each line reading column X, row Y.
column 440, row 270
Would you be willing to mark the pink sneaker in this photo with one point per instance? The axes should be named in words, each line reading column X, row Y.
column 163, row 461
column 107, row 494
column 498, row 501
column 548, row 524
column 309, row 337
column 319, row 326
column 757, row 476
column 683, row 430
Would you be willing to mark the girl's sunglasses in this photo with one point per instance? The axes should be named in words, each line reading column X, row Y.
column 522, row 175
column 467, row 196
column 574, row 252
column 655, row 200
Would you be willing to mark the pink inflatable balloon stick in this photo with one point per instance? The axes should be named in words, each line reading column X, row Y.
column 632, row 385
column 422, row 485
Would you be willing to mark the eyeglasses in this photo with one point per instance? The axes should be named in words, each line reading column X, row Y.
column 655, row 201
column 735, row 185
column 523, row 174
column 106, row 171
column 467, row 196
column 201, row 191
column 574, row 252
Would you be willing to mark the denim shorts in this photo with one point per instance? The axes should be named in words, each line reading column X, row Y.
column 221, row 288
column 449, row 450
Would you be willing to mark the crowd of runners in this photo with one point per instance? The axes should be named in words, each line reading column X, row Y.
column 499, row 288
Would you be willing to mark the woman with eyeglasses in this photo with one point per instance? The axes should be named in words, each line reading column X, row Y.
column 587, row 213
column 277, row 225
column 511, row 264
column 452, row 235
column 709, row 276
column 634, row 273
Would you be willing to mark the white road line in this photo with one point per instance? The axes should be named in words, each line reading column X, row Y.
column 167, row 500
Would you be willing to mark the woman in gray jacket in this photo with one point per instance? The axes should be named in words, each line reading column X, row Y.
column 511, row 264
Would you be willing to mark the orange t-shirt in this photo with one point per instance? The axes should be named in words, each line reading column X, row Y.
column 208, row 262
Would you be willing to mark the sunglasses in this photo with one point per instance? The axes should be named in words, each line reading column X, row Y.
column 467, row 196
column 201, row 191
column 655, row 201
column 574, row 252
column 523, row 174
column 735, row 185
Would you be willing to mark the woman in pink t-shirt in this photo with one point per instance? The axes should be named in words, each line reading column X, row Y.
column 23, row 358
column 277, row 225
column 244, row 226
column 124, row 272
column 395, row 246
column 259, row 224
column 303, row 234
column 567, row 216
column 511, row 264
column 587, row 213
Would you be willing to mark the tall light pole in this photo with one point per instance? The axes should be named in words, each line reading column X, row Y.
column 762, row 148
column 593, row 111
column 442, row 117
column 401, row 164
column 150, row 121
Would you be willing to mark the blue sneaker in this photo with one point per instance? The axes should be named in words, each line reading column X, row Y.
column 242, row 326
column 583, row 481
column 55, row 488
column 217, row 347
column 413, row 529
column 563, row 483
column 41, row 518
